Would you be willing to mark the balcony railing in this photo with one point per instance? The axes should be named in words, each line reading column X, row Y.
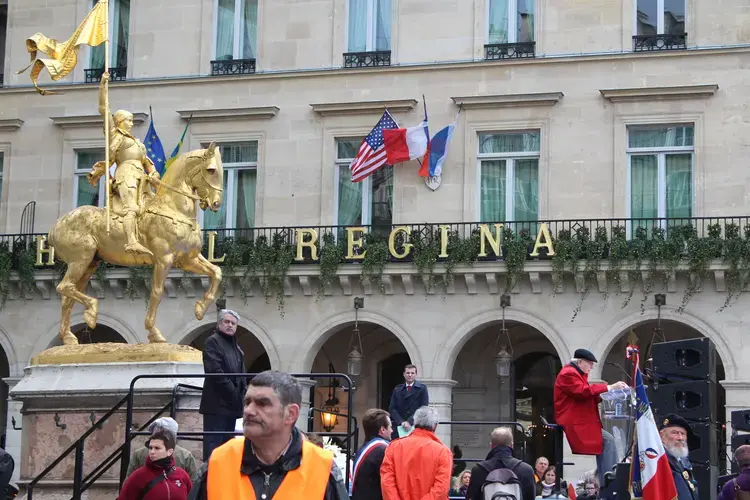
column 367, row 59
column 647, row 43
column 509, row 50
column 94, row 75
column 631, row 237
column 233, row 67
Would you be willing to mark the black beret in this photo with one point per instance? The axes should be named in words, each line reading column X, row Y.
column 674, row 420
column 585, row 354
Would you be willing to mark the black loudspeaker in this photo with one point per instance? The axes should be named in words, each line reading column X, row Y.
column 740, row 421
column 703, row 446
column 690, row 400
column 685, row 359
column 707, row 477
column 740, row 440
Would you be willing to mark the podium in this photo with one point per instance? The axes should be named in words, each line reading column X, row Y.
column 617, row 411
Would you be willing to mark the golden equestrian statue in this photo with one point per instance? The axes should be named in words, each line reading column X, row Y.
column 146, row 228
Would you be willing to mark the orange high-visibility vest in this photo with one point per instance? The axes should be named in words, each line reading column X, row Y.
column 309, row 481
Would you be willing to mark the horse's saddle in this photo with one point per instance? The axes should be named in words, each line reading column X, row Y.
column 145, row 192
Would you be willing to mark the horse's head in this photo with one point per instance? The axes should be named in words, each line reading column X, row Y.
column 207, row 177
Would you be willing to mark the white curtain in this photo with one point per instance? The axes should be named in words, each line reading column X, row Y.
column 249, row 28
column 217, row 220
column 525, row 21
column 383, row 17
column 492, row 191
column 498, row 22
column 350, row 199
column 225, row 30
column 121, row 33
column 246, row 186
column 358, row 25
column 526, row 196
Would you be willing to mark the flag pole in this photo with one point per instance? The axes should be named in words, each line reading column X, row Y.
column 106, row 111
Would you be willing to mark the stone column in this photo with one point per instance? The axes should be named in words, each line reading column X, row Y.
column 13, row 437
column 441, row 398
column 304, row 412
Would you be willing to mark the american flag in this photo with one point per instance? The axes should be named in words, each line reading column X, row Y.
column 371, row 155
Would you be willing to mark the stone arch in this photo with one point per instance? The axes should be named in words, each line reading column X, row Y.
column 446, row 356
column 305, row 355
column 613, row 332
column 16, row 370
column 195, row 328
column 103, row 318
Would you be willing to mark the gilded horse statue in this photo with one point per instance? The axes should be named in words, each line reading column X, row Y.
column 166, row 230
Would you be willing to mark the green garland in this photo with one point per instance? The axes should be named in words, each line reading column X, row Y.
column 426, row 250
column 376, row 257
column 331, row 256
column 515, row 253
column 6, row 266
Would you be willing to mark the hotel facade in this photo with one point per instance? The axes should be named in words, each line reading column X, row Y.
column 576, row 118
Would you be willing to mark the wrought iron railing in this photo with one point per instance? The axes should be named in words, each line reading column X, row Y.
column 520, row 50
column 233, row 67
column 94, row 75
column 647, row 43
column 217, row 242
column 367, row 59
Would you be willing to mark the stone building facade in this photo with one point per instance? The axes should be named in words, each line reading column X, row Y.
column 569, row 111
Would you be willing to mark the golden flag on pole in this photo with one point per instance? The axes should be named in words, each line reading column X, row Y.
column 92, row 31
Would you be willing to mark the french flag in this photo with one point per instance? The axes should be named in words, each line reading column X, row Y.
column 437, row 152
column 651, row 477
column 404, row 144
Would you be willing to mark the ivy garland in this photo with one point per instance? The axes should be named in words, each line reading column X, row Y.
column 652, row 253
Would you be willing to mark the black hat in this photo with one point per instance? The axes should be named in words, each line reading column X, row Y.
column 674, row 420
column 585, row 354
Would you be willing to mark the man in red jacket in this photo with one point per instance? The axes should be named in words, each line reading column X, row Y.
column 577, row 410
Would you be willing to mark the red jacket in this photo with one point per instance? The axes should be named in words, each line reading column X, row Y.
column 576, row 409
column 176, row 486
column 417, row 467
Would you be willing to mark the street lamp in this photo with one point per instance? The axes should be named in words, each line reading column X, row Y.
column 329, row 416
column 354, row 360
column 504, row 359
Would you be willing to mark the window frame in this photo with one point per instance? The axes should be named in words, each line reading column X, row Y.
column 371, row 28
column 510, row 161
column 237, row 42
column 512, row 22
column 661, row 165
column 366, row 186
column 79, row 174
column 230, row 202
column 659, row 17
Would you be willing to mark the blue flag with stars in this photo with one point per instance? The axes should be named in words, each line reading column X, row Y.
column 154, row 148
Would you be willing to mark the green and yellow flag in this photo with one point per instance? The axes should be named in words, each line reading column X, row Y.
column 176, row 150
column 92, row 31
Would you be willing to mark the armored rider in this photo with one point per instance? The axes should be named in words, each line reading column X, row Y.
column 133, row 165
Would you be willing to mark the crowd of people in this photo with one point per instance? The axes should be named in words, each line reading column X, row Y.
column 401, row 458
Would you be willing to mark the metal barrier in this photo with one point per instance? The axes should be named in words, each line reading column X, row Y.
column 130, row 434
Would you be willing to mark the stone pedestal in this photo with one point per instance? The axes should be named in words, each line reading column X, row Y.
column 60, row 402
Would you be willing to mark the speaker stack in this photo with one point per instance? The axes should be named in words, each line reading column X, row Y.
column 684, row 383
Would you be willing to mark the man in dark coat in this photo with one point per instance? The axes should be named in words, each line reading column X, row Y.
column 675, row 433
column 501, row 457
column 7, row 465
column 223, row 397
column 406, row 399
column 741, row 482
column 369, row 458
column 576, row 409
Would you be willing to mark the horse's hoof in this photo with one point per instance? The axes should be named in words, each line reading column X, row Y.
column 200, row 310
column 156, row 337
column 90, row 315
column 69, row 339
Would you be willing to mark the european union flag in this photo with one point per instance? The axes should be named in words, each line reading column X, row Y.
column 154, row 148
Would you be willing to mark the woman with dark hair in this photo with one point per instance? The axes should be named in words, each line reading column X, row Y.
column 159, row 478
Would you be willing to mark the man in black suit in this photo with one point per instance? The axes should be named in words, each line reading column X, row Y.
column 406, row 399
column 223, row 398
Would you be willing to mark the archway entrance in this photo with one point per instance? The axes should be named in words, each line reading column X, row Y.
column 256, row 358
column 617, row 367
column 523, row 396
column 86, row 335
column 382, row 368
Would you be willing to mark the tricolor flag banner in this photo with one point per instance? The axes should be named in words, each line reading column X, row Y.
column 651, row 477
column 404, row 144
column 371, row 155
column 437, row 152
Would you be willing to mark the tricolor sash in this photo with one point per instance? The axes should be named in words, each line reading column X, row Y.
column 366, row 449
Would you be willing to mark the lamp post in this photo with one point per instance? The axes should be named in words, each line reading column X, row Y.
column 354, row 360
column 220, row 304
column 503, row 358
column 659, row 300
column 329, row 416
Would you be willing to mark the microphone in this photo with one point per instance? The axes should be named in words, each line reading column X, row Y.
column 621, row 369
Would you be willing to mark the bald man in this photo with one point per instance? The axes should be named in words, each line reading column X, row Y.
column 501, row 457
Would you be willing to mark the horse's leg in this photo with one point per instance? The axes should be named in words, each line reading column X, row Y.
column 200, row 265
column 71, row 289
column 161, row 269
